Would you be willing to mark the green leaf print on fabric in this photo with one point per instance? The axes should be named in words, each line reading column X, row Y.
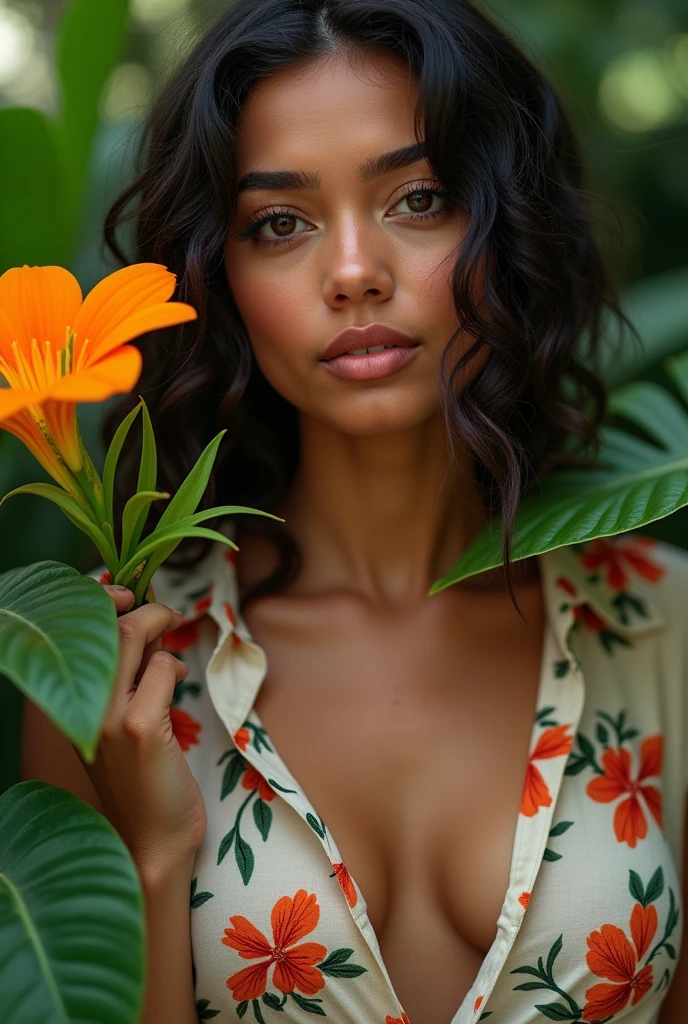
column 238, row 769
column 198, row 899
column 310, row 1005
column 317, row 826
column 204, row 1011
column 558, row 830
column 336, row 967
column 484, row 1015
column 613, row 957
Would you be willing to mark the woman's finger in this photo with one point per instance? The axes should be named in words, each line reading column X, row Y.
column 155, row 691
column 137, row 629
column 122, row 596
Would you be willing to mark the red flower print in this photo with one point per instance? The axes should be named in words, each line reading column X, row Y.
column 524, row 900
column 612, row 956
column 254, row 780
column 230, row 556
column 203, row 605
column 614, row 559
column 344, row 879
column 397, row 1020
column 630, row 823
column 182, row 637
column 229, row 612
column 552, row 743
column 184, row 727
column 291, row 919
column 476, row 1004
column 105, row 578
column 567, row 586
column 581, row 612
column 242, row 737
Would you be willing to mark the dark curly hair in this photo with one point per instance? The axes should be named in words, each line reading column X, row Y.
column 499, row 141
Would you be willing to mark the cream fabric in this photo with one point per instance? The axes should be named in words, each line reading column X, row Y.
column 590, row 928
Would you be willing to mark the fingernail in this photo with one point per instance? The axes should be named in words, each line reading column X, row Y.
column 122, row 590
column 177, row 611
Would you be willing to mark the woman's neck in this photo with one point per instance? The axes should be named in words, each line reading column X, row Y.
column 383, row 516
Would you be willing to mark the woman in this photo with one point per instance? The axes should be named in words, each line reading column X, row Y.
column 389, row 806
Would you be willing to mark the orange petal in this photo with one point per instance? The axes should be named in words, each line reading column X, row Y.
column 604, row 1001
column 12, row 401
column 629, row 822
column 121, row 295
column 610, row 954
column 294, row 918
column 643, row 927
column 296, row 970
column 27, row 430
column 653, row 798
column 40, row 303
column 119, row 372
column 250, row 982
column 552, row 743
column 535, row 792
column 642, row 983
column 168, row 314
column 246, row 939
column 651, row 756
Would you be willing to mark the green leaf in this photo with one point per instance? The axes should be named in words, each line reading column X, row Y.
column 226, row 844
column 557, row 1011
column 231, row 775
column 242, row 1007
column 35, row 227
column 658, row 307
column 636, row 483
column 244, row 858
column 309, row 1005
column 112, row 458
column 89, row 43
column 59, row 645
column 134, row 518
column 74, row 512
column 71, row 913
column 192, row 489
column 262, row 816
column 160, row 537
column 148, row 471
column 335, row 965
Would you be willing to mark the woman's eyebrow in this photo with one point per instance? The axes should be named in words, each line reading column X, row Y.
column 373, row 167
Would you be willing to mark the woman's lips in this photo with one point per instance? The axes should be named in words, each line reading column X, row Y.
column 371, row 365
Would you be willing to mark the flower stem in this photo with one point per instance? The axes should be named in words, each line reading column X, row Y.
column 85, row 485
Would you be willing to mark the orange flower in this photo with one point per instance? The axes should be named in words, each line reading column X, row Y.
column 291, row 919
column 242, row 737
column 476, row 1004
column 552, row 743
column 612, row 956
column 344, row 879
column 184, row 727
column 57, row 349
column 614, row 558
column 630, row 824
column 397, row 1020
column 254, row 780
column 524, row 899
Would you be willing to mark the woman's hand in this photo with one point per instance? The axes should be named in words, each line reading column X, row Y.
column 140, row 774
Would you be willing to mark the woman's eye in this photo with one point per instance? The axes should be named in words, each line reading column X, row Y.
column 280, row 225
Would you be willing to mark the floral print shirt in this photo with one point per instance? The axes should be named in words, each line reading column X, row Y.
column 590, row 928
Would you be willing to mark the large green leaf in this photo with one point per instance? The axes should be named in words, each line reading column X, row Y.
column 71, row 913
column 637, row 482
column 34, row 226
column 658, row 307
column 90, row 39
column 59, row 644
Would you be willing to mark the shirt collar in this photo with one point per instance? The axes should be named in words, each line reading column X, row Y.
column 612, row 577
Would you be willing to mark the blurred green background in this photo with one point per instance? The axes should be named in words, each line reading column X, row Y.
column 76, row 77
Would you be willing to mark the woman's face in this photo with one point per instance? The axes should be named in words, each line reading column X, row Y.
column 344, row 248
